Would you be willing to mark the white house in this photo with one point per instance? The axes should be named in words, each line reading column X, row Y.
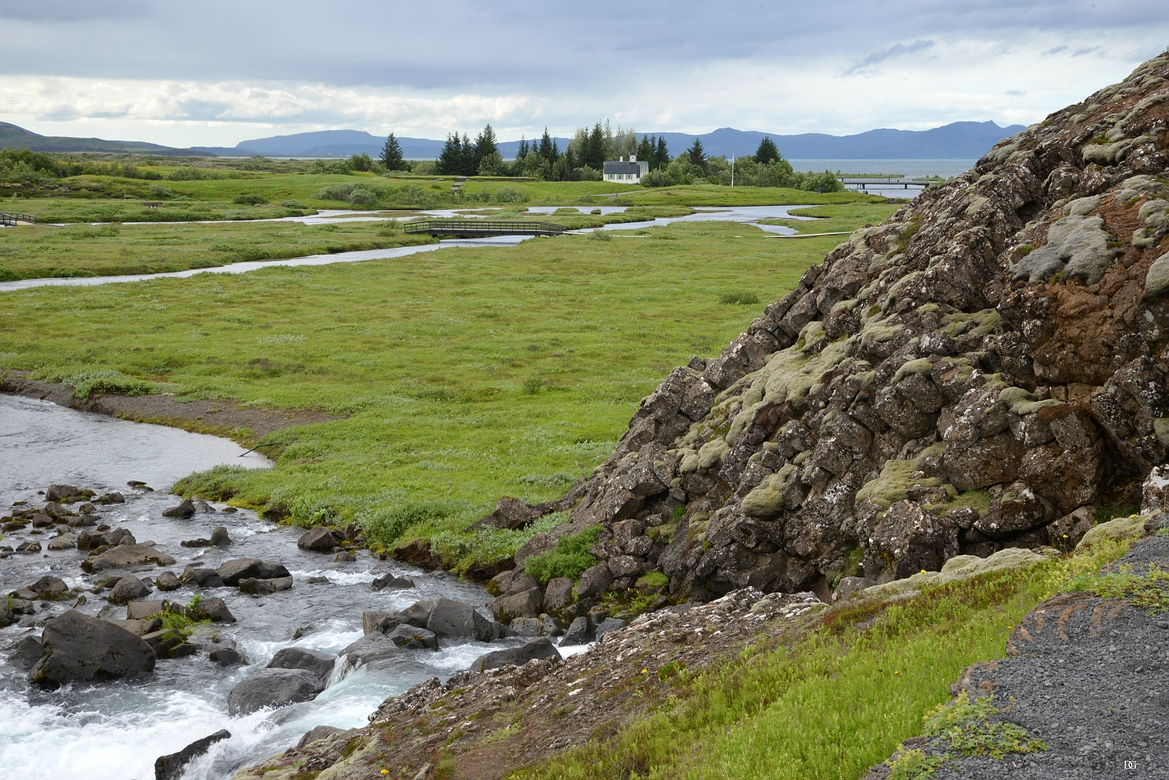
column 625, row 172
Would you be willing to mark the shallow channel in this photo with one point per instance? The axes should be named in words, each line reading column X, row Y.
column 748, row 215
column 114, row 731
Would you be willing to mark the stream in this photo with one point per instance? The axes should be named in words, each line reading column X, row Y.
column 115, row 730
column 748, row 215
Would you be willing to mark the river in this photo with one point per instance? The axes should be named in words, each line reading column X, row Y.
column 749, row 215
column 114, row 731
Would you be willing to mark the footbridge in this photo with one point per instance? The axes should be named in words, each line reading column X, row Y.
column 11, row 220
column 482, row 228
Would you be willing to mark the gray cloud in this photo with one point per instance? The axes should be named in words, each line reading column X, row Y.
column 894, row 51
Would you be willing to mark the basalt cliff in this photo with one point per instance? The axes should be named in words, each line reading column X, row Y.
column 986, row 369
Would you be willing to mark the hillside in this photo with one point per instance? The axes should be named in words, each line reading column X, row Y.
column 983, row 374
column 13, row 137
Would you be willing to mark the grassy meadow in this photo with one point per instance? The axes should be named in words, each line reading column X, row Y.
column 463, row 374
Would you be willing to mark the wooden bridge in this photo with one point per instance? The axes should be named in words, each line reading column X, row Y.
column 482, row 228
column 861, row 183
column 11, row 220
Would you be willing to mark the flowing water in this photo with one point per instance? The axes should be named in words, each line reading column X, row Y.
column 115, row 730
column 745, row 214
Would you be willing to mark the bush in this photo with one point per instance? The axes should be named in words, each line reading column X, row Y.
column 335, row 192
column 738, row 298
column 361, row 162
column 570, row 557
column 160, row 192
column 249, row 199
column 292, row 204
column 360, row 196
column 589, row 173
column 386, row 526
column 87, row 383
column 658, row 178
column 510, row 195
column 325, row 166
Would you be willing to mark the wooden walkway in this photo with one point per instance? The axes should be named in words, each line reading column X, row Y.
column 482, row 228
column 12, row 220
column 884, row 183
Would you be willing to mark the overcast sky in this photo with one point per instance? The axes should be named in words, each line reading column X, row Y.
column 215, row 72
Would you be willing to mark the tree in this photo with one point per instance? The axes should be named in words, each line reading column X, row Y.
column 645, row 151
column 468, row 167
column 696, row 154
column 549, row 151
column 767, row 151
column 360, row 162
column 485, row 146
column 392, row 155
column 450, row 160
column 661, row 153
column 594, row 154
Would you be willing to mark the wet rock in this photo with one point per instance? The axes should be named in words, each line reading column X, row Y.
column 62, row 542
column 225, row 655
column 376, row 651
column 184, row 510
column 412, row 637
column 80, row 648
column 345, row 556
column 127, row 589
column 537, row 626
column 256, row 586
column 418, row 613
column 540, row 648
column 219, row 537
column 126, row 555
column 167, row 581
column 110, row 498
column 271, row 689
column 196, row 543
column 607, row 625
column 140, row 610
column 25, row 652
column 315, row 733
column 580, row 632
column 62, row 492
column 50, row 587
column 170, row 767
column 28, row 548
column 392, row 582
column 169, row 643
column 319, row 539
column 381, row 621
column 453, row 620
column 526, row 604
column 7, row 617
column 213, row 609
column 237, row 569
column 320, row 664
column 204, row 578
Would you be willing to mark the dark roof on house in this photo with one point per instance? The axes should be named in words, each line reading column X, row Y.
column 619, row 166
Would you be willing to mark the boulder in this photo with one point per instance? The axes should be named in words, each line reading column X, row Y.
column 380, row 621
column 537, row 626
column 317, row 732
column 62, row 542
column 272, row 688
column 170, row 767
column 184, row 510
column 320, row 664
column 141, row 610
column 1155, row 491
column 26, row 651
column 412, row 637
column 850, row 585
column 238, row 569
column 124, row 555
column 392, row 582
column 225, row 652
column 418, row 613
column 127, row 589
column 80, row 648
column 509, row 514
column 454, row 620
column 607, row 625
column 29, row 548
column 256, row 586
column 49, row 587
column 219, row 537
column 318, row 539
column 169, row 643
column 579, row 632
column 593, row 581
column 540, row 648
column 557, row 594
column 110, row 498
column 204, row 578
column 376, row 651
column 345, row 556
column 62, row 492
column 167, row 581
column 527, row 604
column 7, row 617
column 213, row 609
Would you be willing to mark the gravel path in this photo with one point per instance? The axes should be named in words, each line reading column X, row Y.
column 1089, row 677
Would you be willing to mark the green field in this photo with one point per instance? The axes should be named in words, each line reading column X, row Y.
column 464, row 374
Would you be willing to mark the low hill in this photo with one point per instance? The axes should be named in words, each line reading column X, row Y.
column 14, row 137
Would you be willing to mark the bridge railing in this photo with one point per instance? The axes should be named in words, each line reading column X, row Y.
column 9, row 219
column 483, row 228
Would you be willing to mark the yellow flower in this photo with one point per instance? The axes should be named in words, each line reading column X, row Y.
column 645, row 671
column 385, row 771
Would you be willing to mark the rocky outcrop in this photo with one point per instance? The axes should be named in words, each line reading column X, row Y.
column 980, row 372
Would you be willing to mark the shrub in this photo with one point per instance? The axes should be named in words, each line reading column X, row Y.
column 360, row 196
column 292, row 204
column 738, row 298
column 361, row 162
column 388, row 524
column 510, row 195
column 86, row 383
column 159, row 191
column 325, row 166
column 570, row 557
column 335, row 192
column 249, row 199
column 658, row 178
column 533, row 385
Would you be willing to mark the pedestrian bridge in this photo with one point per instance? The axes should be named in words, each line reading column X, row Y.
column 482, row 228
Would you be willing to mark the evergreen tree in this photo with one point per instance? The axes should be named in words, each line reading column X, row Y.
column 522, row 152
column 392, row 155
column 469, row 165
column 697, row 155
column 661, row 154
column 485, row 146
column 450, row 160
column 645, row 151
column 594, row 154
column 548, row 150
column 767, row 151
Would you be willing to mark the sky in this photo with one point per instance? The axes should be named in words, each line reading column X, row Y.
column 215, row 73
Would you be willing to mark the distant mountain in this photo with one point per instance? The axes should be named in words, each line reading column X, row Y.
column 959, row 141
column 13, row 137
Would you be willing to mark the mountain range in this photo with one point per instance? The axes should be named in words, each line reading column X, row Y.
column 958, row 140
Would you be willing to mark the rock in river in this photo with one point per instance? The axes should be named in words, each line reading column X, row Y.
column 273, row 688
column 80, row 648
column 533, row 648
column 126, row 555
column 171, row 767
